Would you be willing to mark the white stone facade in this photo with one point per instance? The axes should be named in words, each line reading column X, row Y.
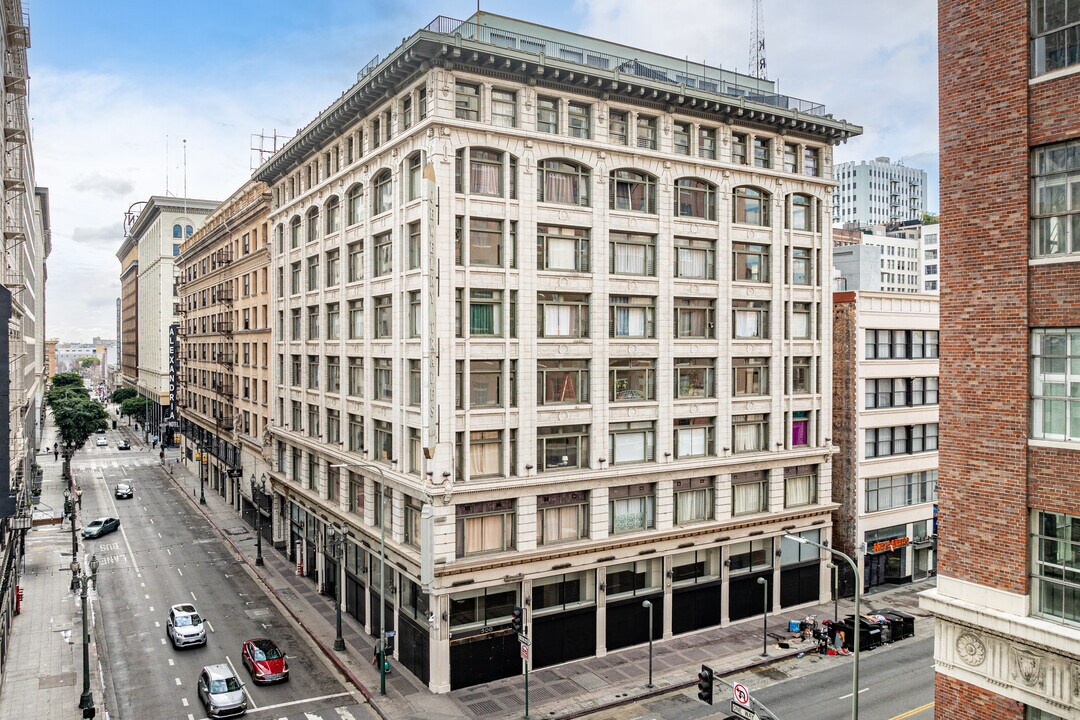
column 515, row 331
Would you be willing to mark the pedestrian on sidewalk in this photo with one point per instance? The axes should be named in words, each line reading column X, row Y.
column 55, row 455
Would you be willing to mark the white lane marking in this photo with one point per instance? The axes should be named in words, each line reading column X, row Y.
column 123, row 534
column 162, row 641
column 190, row 716
column 142, row 584
column 157, row 624
column 178, row 679
column 159, row 535
column 250, row 699
column 171, row 662
column 194, row 598
column 305, row 700
column 182, row 574
column 210, row 626
column 145, row 596
column 184, row 701
column 151, row 520
column 151, row 608
column 844, row 697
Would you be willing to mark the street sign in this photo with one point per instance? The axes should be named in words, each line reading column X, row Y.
column 743, row 712
column 523, row 640
column 740, row 694
column 525, row 652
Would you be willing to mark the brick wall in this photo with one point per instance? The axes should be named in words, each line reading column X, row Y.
column 957, row 700
column 1051, row 304
column 845, row 421
column 983, row 74
column 1055, row 484
column 1054, row 110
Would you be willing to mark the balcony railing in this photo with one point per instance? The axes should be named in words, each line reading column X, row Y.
column 730, row 87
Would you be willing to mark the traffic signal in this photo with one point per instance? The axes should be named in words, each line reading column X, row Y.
column 705, row 684
column 517, row 620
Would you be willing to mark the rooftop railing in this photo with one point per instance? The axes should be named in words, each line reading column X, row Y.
column 629, row 66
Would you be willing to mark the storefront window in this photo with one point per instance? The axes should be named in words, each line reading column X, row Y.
column 557, row 593
column 751, row 556
column 695, row 567
column 634, row 578
column 485, row 607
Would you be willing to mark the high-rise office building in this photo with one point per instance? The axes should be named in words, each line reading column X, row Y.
column 877, row 192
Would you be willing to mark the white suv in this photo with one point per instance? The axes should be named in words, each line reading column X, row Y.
column 185, row 626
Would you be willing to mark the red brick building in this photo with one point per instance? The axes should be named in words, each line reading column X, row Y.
column 1007, row 604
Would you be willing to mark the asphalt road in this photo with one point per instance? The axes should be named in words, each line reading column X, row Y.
column 894, row 682
column 167, row 553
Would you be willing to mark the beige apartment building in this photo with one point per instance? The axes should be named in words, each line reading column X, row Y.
column 885, row 422
column 575, row 308
column 223, row 374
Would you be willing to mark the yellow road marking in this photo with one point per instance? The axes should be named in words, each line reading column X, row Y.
column 909, row 713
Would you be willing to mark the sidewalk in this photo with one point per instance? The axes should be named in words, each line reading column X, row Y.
column 43, row 670
column 565, row 691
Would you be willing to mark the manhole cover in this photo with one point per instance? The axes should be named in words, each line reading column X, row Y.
column 257, row 613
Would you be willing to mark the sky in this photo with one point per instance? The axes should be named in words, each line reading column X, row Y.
column 117, row 88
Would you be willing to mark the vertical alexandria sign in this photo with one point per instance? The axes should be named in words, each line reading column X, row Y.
column 429, row 335
column 174, row 368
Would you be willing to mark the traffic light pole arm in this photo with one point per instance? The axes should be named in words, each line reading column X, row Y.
column 758, row 707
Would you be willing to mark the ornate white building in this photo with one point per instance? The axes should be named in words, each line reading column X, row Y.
column 579, row 306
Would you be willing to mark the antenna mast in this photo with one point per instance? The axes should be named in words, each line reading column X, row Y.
column 757, row 43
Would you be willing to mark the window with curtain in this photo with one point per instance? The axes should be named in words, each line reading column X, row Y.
column 562, row 181
column 355, row 201
column 631, row 508
column 485, row 527
column 485, row 383
column 333, row 215
column 503, row 108
column 800, row 485
column 384, row 441
column 749, row 492
column 695, row 259
column 751, row 376
column 801, row 266
column 800, row 428
column 750, row 432
column 383, row 317
column 562, row 517
column 694, row 437
column 382, row 192
column 414, row 166
column 485, row 312
column 356, row 433
column 618, row 127
column 466, row 101
column 486, row 168
column 632, row 317
column 694, row 318
column 646, row 132
column 313, row 225
column 694, row 500
column 356, row 261
column 562, row 248
column 563, row 315
column 632, row 254
column 800, row 321
column 485, row 242
column 384, row 379
column 750, row 318
column 632, row 442
column 485, row 453
column 547, row 114
column 632, row 191
column 695, row 198
column 295, row 229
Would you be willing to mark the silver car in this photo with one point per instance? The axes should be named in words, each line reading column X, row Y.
column 221, row 692
column 185, row 626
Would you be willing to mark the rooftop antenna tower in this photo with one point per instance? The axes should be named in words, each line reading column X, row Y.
column 757, row 43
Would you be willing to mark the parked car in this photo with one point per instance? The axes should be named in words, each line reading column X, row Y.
column 101, row 526
column 100, row 431
column 221, row 692
column 185, row 626
column 124, row 491
column 102, row 441
column 265, row 661
column 124, row 445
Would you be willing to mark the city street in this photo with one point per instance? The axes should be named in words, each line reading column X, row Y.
column 166, row 553
column 896, row 683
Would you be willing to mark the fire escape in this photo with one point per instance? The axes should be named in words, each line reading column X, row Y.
column 16, row 218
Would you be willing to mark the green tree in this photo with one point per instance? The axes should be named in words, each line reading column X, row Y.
column 60, row 394
column 135, row 407
column 121, row 394
column 70, row 378
column 77, row 417
column 89, row 362
column 929, row 219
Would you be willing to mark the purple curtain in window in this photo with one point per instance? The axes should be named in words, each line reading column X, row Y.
column 799, row 432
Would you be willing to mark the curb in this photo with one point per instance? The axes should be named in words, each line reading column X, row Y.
column 327, row 651
column 582, row 712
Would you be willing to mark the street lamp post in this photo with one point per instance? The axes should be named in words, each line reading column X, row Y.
column 382, row 568
column 835, row 589
column 765, row 616
column 858, row 620
column 86, row 700
column 338, row 538
column 257, row 502
column 648, row 607
column 69, row 508
column 202, row 457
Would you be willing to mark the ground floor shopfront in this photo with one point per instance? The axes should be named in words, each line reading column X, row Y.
column 898, row 553
column 462, row 636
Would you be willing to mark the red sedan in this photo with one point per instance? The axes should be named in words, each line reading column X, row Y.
column 265, row 662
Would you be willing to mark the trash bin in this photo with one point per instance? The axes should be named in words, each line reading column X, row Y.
column 869, row 633
column 902, row 622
